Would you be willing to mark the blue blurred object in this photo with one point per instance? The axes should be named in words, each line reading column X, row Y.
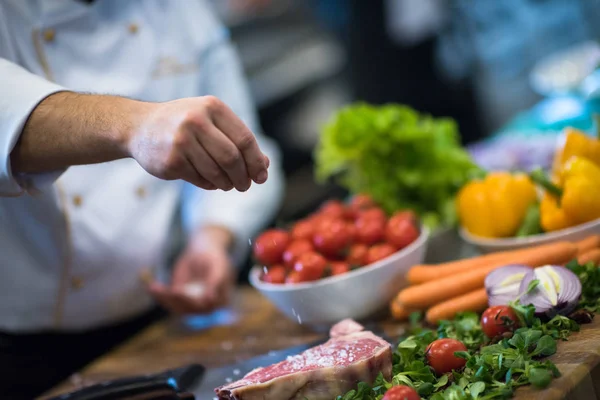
column 224, row 316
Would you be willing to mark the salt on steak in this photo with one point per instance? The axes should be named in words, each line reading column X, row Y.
column 350, row 356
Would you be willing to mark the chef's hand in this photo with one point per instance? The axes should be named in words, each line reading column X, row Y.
column 203, row 276
column 199, row 140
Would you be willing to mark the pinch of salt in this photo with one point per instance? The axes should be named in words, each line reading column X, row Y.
column 194, row 289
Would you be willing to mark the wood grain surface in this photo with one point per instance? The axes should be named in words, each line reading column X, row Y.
column 258, row 328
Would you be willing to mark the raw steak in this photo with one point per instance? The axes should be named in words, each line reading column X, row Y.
column 321, row 373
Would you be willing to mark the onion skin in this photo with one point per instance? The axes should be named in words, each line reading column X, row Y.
column 511, row 275
column 558, row 292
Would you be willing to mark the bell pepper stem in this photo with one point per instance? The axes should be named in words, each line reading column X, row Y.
column 539, row 176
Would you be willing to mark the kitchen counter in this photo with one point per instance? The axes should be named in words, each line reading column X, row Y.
column 253, row 327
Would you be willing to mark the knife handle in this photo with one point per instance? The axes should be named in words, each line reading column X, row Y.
column 124, row 388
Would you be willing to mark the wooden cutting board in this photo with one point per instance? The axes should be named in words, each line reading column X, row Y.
column 578, row 360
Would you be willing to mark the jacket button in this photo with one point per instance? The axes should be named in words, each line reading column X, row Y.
column 141, row 192
column 49, row 35
column 133, row 28
column 76, row 283
column 77, row 201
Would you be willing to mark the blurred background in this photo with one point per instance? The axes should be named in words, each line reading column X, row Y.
column 509, row 72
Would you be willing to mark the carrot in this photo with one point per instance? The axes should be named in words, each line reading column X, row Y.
column 399, row 312
column 423, row 273
column 429, row 272
column 476, row 300
column 589, row 256
column 589, row 243
column 433, row 292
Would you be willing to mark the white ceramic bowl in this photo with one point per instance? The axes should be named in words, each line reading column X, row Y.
column 357, row 294
column 574, row 233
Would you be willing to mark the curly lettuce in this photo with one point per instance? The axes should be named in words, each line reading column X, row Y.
column 401, row 158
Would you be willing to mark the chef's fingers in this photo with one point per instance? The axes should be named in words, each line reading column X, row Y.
column 206, row 167
column 165, row 298
column 243, row 139
column 228, row 157
column 190, row 174
column 181, row 273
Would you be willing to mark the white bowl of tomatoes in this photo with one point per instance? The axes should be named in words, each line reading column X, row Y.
column 345, row 261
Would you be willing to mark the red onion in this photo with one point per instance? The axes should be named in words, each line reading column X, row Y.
column 502, row 284
column 558, row 290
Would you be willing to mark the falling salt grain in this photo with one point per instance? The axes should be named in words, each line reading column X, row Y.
column 228, row 380
column 265, row 270
column 236, row 371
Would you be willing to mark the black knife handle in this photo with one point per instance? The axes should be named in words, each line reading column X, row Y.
column 121, row 388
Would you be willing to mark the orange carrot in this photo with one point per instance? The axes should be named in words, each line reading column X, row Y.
column 589, row 256
column 423, row 273
column 589, row 243
column 429, row 272
column 476, row 300
column 399, row 312
column 433, row 292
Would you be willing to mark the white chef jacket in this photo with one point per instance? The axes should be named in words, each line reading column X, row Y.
column 71, row 251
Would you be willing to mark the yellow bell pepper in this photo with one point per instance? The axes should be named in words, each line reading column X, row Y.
column 496, row 206
column 577, row 201
column 552, row 216
column 576, row 143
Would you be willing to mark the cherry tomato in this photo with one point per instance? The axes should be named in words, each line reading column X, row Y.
column 333, row 238
column 369, row 231
column 275, row 274
column 440, row 355
column 379, row 252
column 310, row 266
column 362, row 201
column 296, row 249
column 323, row 221
column 334, row 208
column 401, row 393
column 339, row 267
column 401, row 230
column 352, row 231
column 373, row 213
column 294, row 277
column 303, row 230
column 358, row 254
column 270, row 245
column 498, row 319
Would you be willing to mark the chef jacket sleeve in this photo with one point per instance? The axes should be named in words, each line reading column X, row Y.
column 242, row 213
column 20, row 92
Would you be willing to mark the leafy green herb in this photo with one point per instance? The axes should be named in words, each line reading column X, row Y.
column 589, row 275
column 403, row 159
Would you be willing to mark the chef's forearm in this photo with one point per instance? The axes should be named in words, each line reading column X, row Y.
column 73, row 129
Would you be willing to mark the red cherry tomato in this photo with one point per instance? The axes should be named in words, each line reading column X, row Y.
column 275, row 274
column 369, row 231
column 296, row 249
column 302, row 230
column 440, row 355
column 373, row 213
column 362, row 201
column 310, row 266
column 294, row 277
column 334, row 208
column 401, row 393
column 332, row 239
column 323, row 221
column 270, row 245
column 339, row 267
column 379, row 252
column 352, row 231
column 358, row 254
column 498, row 319
column 401, row 230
